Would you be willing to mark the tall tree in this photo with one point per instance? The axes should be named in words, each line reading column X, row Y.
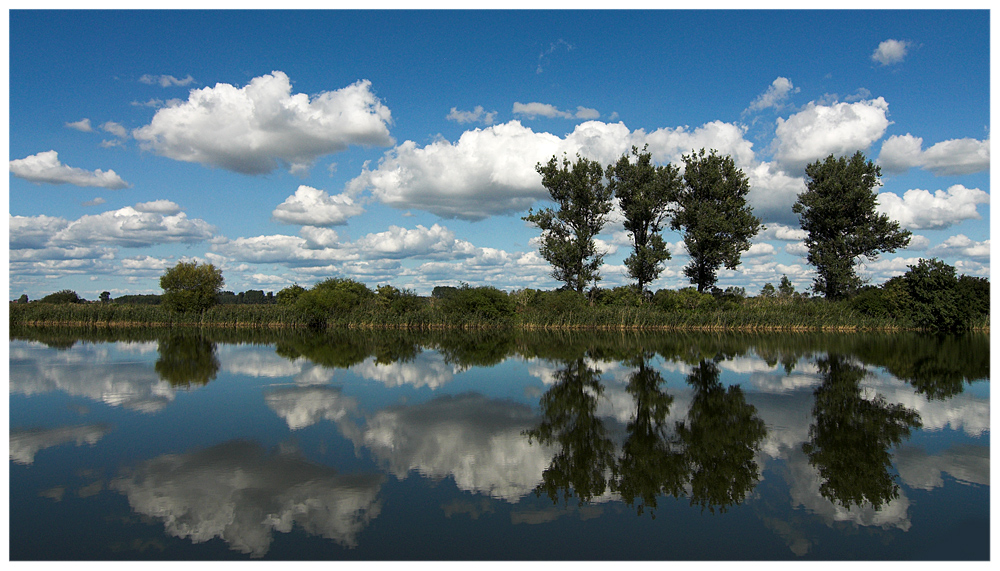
column 712, row 211
column 838, row 212
column 644, row 192
column 568, row 233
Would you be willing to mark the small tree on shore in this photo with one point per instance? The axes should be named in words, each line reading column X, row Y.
column 189, row 287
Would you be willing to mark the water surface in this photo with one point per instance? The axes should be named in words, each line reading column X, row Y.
column 387, row 446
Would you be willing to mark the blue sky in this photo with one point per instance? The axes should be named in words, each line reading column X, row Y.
column 399, row 146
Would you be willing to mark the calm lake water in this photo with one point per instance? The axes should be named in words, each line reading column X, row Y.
column 385, row 446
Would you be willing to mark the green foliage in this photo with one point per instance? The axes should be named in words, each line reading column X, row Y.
column 105, row 297
column 148, row 299
column 396, row 300
column 935, row 300
column 785, row 287
column 442, row 292
column 23, row 298
column 714, row 216
column 621, row 296
column 838, row 213
column 190, row 287
column 561, row 301
column 644, row 192
column 62, row 296
column 484, row 302
column 768, row 291
column 290, row 294
column 568, row 233
column 331, row 298
column 686, row 299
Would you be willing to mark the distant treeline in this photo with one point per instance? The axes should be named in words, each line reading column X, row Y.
column 248, row 297
column 929, row 297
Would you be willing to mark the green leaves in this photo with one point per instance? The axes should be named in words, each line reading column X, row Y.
column 568, row 233
column 644, row 192
column 712, row 211
column 190, row 287
column 838, row 212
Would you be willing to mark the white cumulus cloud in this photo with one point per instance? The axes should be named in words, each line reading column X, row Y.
column 491, row 171
column 775, row 95
column 314, row 207
column 963, row 247
column 891, row 51
column 535, row 109
column 919, row 209
column 81, row 125
column 256, row 128
column 952, row 157
column 45, row 167
column 839, row 129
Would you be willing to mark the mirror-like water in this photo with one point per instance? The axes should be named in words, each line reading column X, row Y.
column 224, row 445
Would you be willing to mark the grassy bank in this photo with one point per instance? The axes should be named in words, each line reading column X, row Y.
column 545, row 311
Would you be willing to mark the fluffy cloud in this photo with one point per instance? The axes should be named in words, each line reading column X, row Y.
column 772, row 194
column 477, row 441
column 81, row 125
column 775, row 95
column 156, row 222
column 891, row 51
column 477, row 115
column 314, row 207
column 783, row 233
column 821, row 130
column 952, row 157
column 24, row 444
column 396, row 242
column 760, row 249
column 919, row 209
column 534, row 109
column 491, row 171
column 961, row 246
column 115, row 129
column 166, row 80
column 164, row 207
column 242, row 494
column 256, row 128
column 45, row 167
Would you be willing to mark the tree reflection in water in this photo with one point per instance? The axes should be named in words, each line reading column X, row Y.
column 721, row 436
column 712, row 452
column 851, row 435
column 651, row 463
column 187, row 359
column 569, row 420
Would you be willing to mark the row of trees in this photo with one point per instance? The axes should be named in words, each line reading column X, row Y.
column 707, row 204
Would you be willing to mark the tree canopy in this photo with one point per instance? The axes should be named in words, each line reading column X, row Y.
column 644, row 192
column 568, row 233
column 712, row 211
column 191, row 287
column 837, row 210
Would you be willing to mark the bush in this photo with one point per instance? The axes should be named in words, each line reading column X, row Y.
column 687, row 299
column 330, row 298
column 395, row 300
column 561, row 301
column 621, row 296
column 934, row 297
column 485, row 302
column 62, row 296
column 289, row 295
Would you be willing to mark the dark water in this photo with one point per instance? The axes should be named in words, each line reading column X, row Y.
column 496, row 446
